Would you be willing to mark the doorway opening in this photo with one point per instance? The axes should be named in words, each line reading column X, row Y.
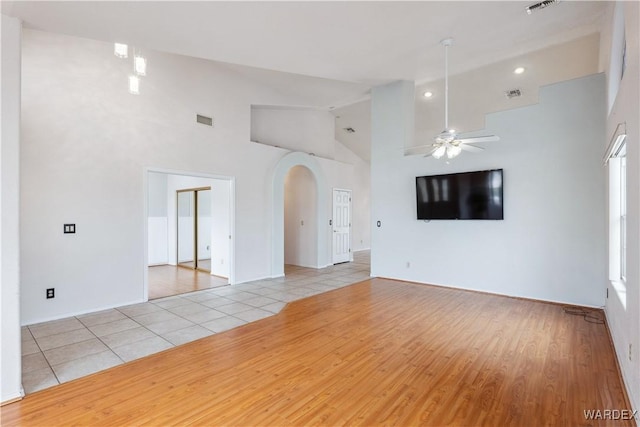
column 189, row 243
column 322, row 202
column 300, row 218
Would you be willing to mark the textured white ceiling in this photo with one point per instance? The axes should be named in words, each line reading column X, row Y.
column 363, row 42
column 349, row 45
column 475, row 93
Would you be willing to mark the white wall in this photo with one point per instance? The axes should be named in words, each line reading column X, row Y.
column 550, row 245
column 10, row 365
column 221, row 230
column 360, row 178
column 624, row 98
column 300, row 221
column 85, row 146
column 474, row 93
column 158, row 248
column 305, row 130
column 392, row 129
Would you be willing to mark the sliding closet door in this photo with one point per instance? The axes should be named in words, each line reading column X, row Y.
column 194, row 228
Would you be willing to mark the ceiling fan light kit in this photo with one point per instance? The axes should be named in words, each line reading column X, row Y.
column 447, row 142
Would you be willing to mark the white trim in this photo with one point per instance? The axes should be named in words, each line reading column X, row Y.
column 82, row 312
column 621, row 291
column 616, row 145
column 15, row 397
column 626, row 381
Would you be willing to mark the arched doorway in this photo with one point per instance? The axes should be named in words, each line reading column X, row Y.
column 300, row 218
column 322, row 211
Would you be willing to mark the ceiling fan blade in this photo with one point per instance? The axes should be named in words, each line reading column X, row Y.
column 431, row 152
column 471, row 148
column 476, row 139
column 419, row 149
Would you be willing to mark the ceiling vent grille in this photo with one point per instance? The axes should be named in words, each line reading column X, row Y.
column 349, row 130
column 204, row 120
column 539, row 6
column 513, row 93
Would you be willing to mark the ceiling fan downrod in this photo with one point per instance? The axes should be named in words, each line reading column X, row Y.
column 446, row 43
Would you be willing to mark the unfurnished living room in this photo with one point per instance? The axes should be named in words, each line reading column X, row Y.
column 320, row 213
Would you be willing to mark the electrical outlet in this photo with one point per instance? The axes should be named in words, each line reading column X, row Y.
column 408, row 264
column 222, row 261
column 629, row 351
column 69, row 229
column 51, row 293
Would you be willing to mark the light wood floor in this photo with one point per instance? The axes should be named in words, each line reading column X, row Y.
column 377, row 352
column 168, row 280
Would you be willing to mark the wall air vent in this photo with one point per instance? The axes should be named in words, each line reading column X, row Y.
column 513, row 93
column 539, row 6
column 204, row 120
column 349, row 130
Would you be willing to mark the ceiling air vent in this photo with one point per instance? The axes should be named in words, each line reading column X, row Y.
column 539, row 6
column 204, row 120
column 349, row 130
column 513, row 93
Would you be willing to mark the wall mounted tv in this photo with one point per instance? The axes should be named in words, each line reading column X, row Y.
column 468, row 195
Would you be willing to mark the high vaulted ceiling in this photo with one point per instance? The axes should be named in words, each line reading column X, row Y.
column 366, row 43
column 331, row 53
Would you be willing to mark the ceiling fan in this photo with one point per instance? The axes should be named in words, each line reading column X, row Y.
column 447, row 142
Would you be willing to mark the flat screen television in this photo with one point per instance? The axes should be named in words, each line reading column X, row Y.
column 468, row 195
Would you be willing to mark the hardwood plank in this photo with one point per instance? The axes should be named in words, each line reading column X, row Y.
column 379, row 352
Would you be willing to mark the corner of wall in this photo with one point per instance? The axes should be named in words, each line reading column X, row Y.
column 10, row 84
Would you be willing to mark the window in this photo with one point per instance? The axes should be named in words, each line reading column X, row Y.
column 616, row 159
column 623, row 218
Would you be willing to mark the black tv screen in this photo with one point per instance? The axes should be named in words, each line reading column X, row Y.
column 468, row 195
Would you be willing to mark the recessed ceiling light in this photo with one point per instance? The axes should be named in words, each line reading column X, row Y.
column 140, row 65
column 120, row 50
column 134, row 85
column 519, row 70
column 428, row 94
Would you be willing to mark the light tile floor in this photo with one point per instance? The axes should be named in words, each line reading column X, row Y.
column 62, row 350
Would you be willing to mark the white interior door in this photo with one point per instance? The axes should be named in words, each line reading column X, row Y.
column 341, row 226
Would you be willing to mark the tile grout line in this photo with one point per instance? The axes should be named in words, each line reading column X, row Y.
column 44, row 356
column 104, row 343
column 210, row 308
column 143, row 326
